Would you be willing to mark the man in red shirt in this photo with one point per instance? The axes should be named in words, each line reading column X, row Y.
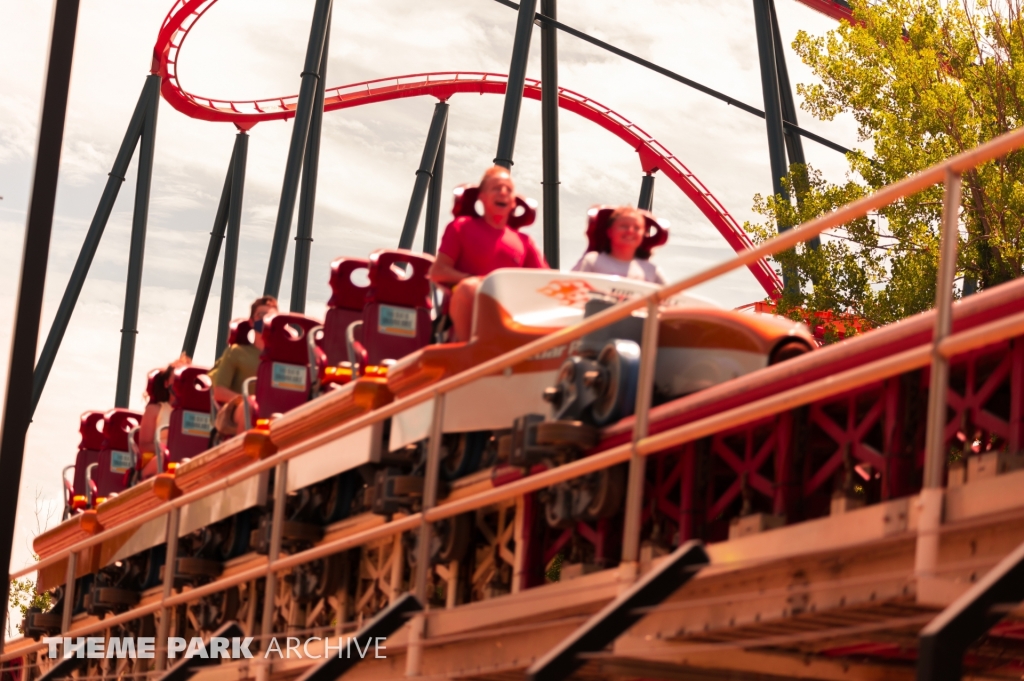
column 473, row 247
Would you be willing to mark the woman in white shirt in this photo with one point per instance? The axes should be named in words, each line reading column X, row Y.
column 621, row 240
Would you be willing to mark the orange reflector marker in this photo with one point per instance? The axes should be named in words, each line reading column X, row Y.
column 380, row 371
column 263, row 424
column 78, row 502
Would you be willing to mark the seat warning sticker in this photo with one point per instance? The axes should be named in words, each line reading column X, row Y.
column 289, row 377
column 120, row 462
column 397, row 321
column 195, row 423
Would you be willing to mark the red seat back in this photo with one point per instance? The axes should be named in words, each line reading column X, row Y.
column 91, row 430
column 115, row 458
column 190, row 425
column 396, row 320
column 344, row 307
column 282, row 381
column 238, row 331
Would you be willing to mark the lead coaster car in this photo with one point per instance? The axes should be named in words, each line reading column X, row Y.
column 699, row 345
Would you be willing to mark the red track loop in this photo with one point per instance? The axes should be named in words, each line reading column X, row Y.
column 245, row 114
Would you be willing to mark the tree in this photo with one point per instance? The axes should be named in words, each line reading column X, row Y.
column 924, row 79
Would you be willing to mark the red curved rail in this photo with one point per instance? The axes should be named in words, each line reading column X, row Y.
column 245, row 114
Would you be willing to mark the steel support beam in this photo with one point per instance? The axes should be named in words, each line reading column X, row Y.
column 731, row 101
column 115, row 178
column 423, row 174
column 549, row 129
column 386, row 622
column 770, row 92
column 307, row 195
column 35, row 251
column 646, row 200
column 622, row 613
column 296, row 150
column 942, row 644
column 435, row 197
column 516, row 80
column 137, row 248
column 227, row 286
column 220, row 221
column 794, row 145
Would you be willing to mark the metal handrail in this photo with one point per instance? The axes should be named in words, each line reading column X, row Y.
column 642, row 444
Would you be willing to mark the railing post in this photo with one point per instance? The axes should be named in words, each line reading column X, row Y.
column 170, row 568
column 930, row 517
column 270, row 588
column 635, row 483
column 69, row 593
column 423, row 540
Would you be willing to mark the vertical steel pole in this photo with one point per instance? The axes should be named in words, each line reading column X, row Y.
column 140, row 217
column 170, row 570
column 930, row 518
column 69, row 593
column 307, row 196
column 516, row 80
column 36, row 249
column 227, row 287
column 88, row 252
column 635, row 482
column 435, row 197
column 794, row 144
column 195, row 320
column 270, row 589
column 549, row 128
column 770, row 91
column 300, row 133
column 646, row 200
column 423, row 174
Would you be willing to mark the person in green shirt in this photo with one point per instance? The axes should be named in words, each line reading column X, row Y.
column 237, row 364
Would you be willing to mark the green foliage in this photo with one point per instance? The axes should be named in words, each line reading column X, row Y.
column 554, row 571
column 23, row 595
column 924, row 79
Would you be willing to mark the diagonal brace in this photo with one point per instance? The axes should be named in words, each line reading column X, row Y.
column 622, row 613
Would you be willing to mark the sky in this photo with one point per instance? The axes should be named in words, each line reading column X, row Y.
column 255, row 49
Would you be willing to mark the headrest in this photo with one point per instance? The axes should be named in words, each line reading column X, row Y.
column 117, row 423
column 598, row 222
column 238, row 331
column 346, row 294
column 399, row 277
column 91, row 430
column 191, row 388
column 285, row 337
column 152, row 382
column 523, row 215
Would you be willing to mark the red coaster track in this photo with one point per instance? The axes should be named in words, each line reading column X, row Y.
column 245, row 114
